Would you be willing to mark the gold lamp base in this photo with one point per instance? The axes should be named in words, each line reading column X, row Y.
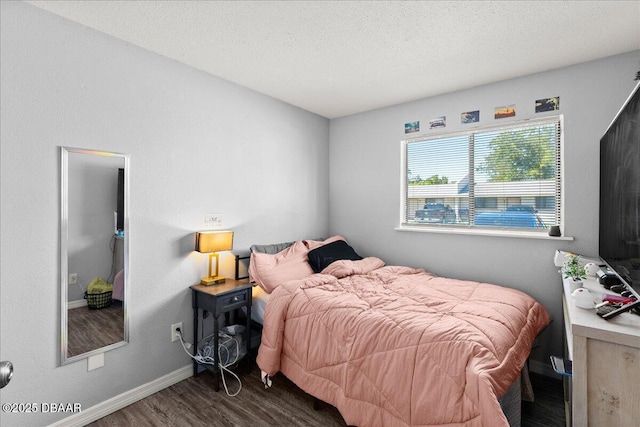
column 213, row 280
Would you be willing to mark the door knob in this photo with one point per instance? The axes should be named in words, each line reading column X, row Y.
column 6, row 372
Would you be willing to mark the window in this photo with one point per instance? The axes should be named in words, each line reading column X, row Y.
column 545, row 202
column 486, row 203
column 496, row 178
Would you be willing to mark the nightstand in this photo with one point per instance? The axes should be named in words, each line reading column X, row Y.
column 215, row 300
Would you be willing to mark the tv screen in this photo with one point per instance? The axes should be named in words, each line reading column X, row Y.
column 120, row 201
column 620, row 192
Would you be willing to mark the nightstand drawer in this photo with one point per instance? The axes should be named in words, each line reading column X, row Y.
column 233, row 300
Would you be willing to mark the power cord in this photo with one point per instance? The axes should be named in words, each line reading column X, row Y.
column 81, row 287
column 112, row 248
column 208, row 360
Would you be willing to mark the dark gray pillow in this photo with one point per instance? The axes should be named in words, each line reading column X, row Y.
column 270, row 249
column 273, row 248
column 323, row 256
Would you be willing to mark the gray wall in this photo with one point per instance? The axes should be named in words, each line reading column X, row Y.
column 198, row 145
column 365, row 195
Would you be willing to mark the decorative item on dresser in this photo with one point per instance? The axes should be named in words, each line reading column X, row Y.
column 574, row 271
column 591, row 269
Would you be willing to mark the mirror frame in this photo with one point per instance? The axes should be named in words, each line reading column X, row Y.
column 64, row 254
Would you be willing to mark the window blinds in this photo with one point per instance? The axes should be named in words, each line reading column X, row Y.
column 499, row 177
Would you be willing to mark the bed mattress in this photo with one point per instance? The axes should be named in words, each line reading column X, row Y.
column 260, row 299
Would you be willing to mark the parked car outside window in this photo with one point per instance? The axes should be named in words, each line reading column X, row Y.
column 521, row 208
column 436, row 213
column 509, row 219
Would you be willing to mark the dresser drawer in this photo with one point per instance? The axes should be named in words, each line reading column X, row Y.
column 233, row 300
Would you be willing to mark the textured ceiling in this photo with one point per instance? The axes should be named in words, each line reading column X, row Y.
column 336, row 58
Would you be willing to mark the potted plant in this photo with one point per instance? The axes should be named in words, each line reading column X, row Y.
column 574, row 271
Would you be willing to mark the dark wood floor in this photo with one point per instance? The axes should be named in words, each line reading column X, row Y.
column 91, row 329
column 547, row 410
column 194, row 402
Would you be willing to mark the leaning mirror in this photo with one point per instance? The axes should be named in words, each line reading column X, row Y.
column 94, row 243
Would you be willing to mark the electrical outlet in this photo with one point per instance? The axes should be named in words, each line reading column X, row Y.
column 73, row 278
column 175, row 336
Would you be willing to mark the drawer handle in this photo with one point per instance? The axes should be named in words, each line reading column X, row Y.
column 235, row 299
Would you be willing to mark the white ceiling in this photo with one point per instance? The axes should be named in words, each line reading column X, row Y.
column 336, row 58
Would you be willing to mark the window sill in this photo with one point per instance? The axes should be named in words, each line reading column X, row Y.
column 481, row 232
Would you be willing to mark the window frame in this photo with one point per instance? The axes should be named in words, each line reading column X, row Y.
column 405, row 225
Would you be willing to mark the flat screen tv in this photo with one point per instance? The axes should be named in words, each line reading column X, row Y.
column 619, row 245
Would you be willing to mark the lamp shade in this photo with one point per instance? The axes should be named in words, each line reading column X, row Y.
column 214, row 241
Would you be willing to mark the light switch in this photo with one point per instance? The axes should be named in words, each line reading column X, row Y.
column 213, row 220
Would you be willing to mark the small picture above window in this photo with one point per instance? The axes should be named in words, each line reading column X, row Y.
column 547, row 104
column 439, row 122
column 412, row 127
column 504, row 112
column 470, row 117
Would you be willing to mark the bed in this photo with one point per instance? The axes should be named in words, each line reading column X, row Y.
column 391, row 345
column 118, row 286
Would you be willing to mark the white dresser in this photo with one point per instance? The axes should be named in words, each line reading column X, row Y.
column 605, row 388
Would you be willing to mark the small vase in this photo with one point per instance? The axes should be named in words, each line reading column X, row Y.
column 574, row 284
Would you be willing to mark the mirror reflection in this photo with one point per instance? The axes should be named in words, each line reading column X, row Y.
column 94, row 242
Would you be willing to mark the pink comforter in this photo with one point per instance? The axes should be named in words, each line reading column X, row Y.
column 396, row 346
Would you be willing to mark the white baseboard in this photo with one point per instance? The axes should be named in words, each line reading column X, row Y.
column 542, row 368
column 116, row 403
column 77, row 304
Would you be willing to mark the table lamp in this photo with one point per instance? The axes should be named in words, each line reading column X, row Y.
column 212, row 242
